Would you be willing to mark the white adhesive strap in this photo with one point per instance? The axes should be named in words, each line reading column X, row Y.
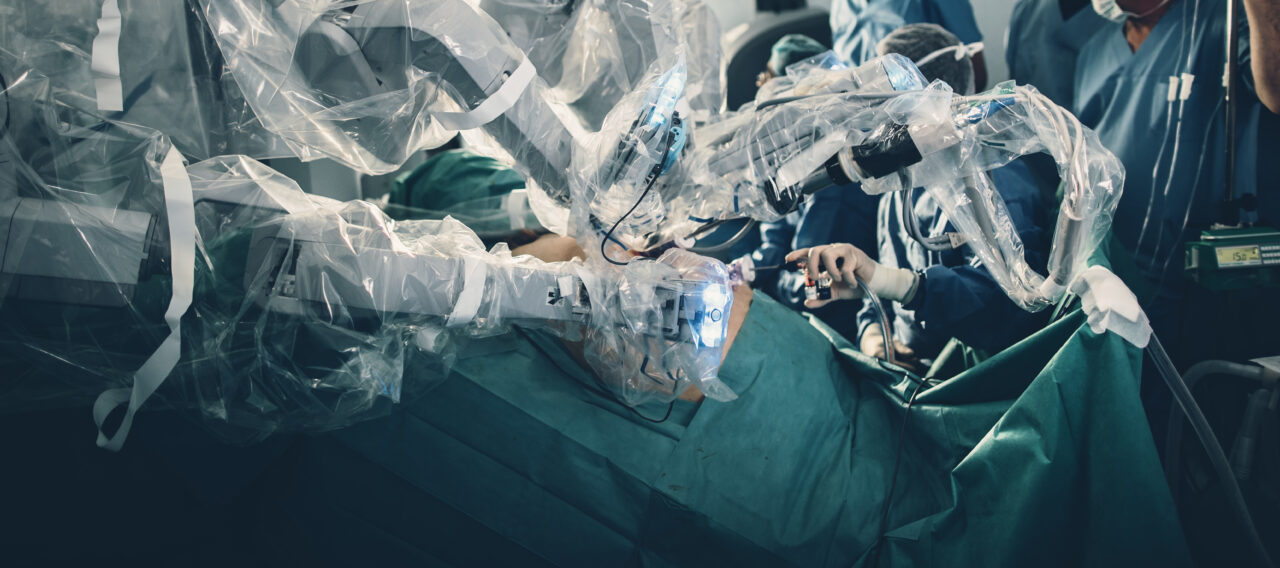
column 182, row 247
column 495, row 105
column 1111, row 306
column 566, row 286
column 105, row 59
column 1173, row 88
column 468, row 305
column 517, row 205
column 1187, row 80
column 892, row 283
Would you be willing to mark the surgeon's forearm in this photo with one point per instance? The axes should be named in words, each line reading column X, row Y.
column 1264, row 47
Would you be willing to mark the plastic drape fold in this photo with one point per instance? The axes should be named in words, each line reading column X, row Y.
column 169, row 71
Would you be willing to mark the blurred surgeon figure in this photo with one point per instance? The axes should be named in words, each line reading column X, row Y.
column 944, row 292
column 791, row 48
column 1150, row 82
column 858, row 26
column 1043, row 41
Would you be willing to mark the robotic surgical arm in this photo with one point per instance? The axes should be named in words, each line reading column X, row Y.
column 881, row 126
column 948, row 144
column 345, row 266
column 647, row 177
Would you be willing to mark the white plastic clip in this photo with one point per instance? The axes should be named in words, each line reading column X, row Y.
column 1187, row 80
column 1173, row 88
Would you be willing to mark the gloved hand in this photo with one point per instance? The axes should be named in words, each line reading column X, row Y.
column 873, row 344
column 847, row 265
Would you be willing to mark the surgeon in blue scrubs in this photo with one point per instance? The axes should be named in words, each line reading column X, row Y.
column 857, row 26
column 1174, row 151
column 1045, row 37
column 953, row 294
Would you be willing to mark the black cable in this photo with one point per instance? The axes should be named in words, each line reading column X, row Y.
column 1217, row 458
column 674, row 384
column 893, row 483
column 595, row 387
column 907, row 216
column 670, row 407
column 609, row 235
column 742, row 233
column 707, row 227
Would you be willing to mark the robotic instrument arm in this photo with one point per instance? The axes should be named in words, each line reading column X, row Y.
column 880, row 126
column 306, row 260
column 382, row 46
column 834, row 126
column 949, row 151
column 301, row 264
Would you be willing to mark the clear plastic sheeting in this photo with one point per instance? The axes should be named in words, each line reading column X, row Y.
column 306, row 311
column 167, row 68
column 82, row 213
column 756, row 161
column 367, row 83
column 878, row 124
column 305, row 77
column 594, row 53
column 946, row 144
column 338, row 296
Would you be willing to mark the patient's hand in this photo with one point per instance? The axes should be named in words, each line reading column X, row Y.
column 551, row 248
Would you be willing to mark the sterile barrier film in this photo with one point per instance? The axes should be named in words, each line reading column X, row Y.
column 303, row 311
column 222, row 286
column 147, row 62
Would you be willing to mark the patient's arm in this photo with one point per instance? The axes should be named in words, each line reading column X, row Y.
column 554, row 248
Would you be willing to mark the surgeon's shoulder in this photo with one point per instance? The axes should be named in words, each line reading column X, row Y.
column 1015, row 181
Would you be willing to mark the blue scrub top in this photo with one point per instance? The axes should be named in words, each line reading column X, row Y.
column 1174, row 175
column 1041, row 47
column 843, row 214
column 858, row 25
column 958, row 297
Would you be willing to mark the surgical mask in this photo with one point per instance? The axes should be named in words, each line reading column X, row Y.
column 1112, row 11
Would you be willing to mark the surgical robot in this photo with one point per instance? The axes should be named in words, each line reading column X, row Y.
column 834, row 126
column 642, row 178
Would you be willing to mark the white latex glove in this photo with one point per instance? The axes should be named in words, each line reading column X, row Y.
column 847, row 265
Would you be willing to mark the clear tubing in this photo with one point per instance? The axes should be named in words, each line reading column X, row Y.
column 885, row 330
column 1186, row 217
